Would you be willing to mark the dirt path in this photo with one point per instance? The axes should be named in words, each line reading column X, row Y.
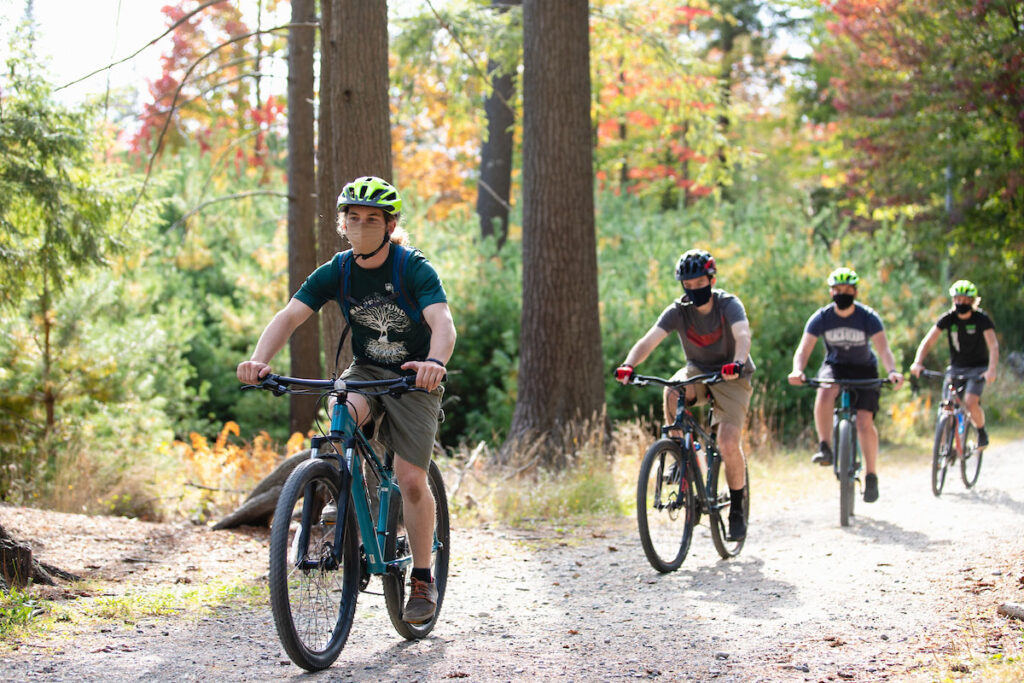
column 913, row 581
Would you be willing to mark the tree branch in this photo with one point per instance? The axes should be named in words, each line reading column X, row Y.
column 226, row 198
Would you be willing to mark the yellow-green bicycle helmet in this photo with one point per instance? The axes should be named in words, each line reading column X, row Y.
column 963, row 288
column 371, row 191
column 843, row 276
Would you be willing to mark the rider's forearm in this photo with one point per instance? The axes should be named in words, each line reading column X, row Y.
column 922, row 352
column 442, row 344
column 278, row 331
column 640, row 351
column 442, row 332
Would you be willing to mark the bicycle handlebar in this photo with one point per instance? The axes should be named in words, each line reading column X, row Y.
column 706, row 378
column 942, row 375
column 280, row 384
column 818, row 382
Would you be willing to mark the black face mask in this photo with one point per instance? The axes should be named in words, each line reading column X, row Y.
column 700, row 296
column 962, row 308
column 843, row 301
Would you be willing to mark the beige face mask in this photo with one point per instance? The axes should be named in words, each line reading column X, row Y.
column 365, row 236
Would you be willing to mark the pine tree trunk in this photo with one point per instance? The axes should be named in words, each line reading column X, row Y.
column 493, row 199
column 560, row 377
column 355, row 123
column 302, row 202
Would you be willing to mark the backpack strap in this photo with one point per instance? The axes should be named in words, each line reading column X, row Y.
column 399, row 282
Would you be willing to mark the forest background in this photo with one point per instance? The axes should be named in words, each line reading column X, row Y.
column 145, row 233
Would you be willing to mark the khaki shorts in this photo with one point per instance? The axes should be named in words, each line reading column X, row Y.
column 732, row 397
column 406, row 425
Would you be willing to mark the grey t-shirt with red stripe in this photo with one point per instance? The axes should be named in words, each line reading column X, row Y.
column 707, row 338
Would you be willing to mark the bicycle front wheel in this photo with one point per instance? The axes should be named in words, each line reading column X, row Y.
column 396, row 546
column 313, row 590
column 940, row 454
column 847, row 472
column 665, row 505
column 721, row 504
column 970, row 463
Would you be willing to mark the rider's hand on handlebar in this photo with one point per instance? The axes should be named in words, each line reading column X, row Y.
column 252, row 371
column 732, row 370
column 429, row 374
column 896, row 378
column 624, row 373
column 796, row 378
column 916, row 369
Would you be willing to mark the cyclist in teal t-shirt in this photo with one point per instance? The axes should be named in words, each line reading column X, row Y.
column 390, row 336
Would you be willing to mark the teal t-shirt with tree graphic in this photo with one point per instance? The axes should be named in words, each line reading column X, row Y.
column 382, row 333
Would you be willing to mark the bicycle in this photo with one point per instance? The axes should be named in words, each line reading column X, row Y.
column 318, row 565
column 847, row 461
column 956, row 437
column 674, row 490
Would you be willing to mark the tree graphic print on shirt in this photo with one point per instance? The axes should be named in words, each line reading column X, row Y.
column 383, row 316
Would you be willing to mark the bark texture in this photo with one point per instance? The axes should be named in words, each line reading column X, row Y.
column 560, row 378
column 302, row 202
column 355, row 124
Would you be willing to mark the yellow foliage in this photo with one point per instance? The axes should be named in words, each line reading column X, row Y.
column 228, row 470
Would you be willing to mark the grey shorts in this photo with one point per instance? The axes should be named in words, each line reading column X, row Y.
column 406, row 425
column 974, row 384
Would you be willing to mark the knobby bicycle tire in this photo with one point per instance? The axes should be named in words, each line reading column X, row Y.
column 396, row 545
column 313, row 606
column 847, row 472
column 970, row 462
column 941, row 451
column 721, row 502
column 665, row 505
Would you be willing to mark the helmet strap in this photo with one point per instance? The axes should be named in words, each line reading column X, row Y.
column 387, row 238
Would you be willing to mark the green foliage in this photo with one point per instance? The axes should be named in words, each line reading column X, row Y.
column 17, row 607
column 483, row 287
column 57, row 205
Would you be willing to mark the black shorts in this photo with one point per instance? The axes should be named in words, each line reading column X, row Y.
column 862, row 398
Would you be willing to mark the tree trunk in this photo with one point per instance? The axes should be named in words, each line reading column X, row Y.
column 494, row 189
column 302, row 203
column 560, row 374
column 355, row 124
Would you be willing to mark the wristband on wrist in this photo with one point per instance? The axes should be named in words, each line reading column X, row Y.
column 434, row 360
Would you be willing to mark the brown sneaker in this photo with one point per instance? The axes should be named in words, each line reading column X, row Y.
column 422, row 602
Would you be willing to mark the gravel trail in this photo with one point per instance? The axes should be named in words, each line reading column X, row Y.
column 914, row 580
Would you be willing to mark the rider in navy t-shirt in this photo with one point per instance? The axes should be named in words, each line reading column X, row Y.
column 849, row 330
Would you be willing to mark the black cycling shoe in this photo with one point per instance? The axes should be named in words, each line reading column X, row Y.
column 870, row 488
column 982, row 438
column 824, row 455
column 737, row 528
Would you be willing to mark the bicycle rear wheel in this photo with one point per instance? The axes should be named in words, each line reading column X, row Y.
column 721, row 502
column 313, row 597
column 397, row 546
column 970, row 463
column 847, row 472
column 665, row 505
column 941, row 451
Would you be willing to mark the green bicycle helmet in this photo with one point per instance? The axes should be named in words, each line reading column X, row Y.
column 843, row 276
column 371, row 191
column 963, row 288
